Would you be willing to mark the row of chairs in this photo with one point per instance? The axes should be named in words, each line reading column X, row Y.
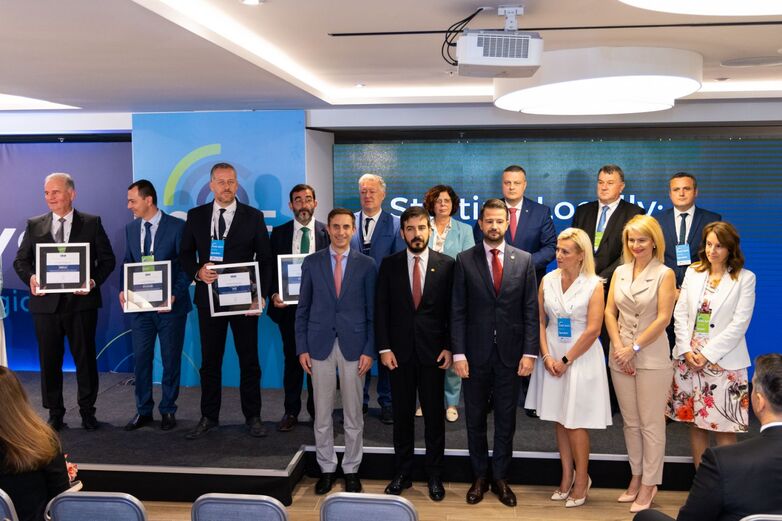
column 114, row 506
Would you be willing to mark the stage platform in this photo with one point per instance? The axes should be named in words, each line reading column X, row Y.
column 163, row 466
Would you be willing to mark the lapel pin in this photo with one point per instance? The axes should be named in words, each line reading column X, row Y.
column 431, row 269
column 512, row 257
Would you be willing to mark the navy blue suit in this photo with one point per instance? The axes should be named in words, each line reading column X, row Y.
column 386, row 240
column 168, row 327
column 535, row 234
column 694, row 238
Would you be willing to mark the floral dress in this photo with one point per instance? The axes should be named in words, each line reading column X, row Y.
column 714, row 399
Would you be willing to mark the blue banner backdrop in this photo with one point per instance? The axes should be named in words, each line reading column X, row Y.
column 102, row 172
column 176, row 151
column 738, row 178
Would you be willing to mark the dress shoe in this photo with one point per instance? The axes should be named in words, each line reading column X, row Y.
column 324, row 484
column 573, row 502
column 387, row 415
column 637, row 507
column 352, row 483
column 287, row 423
column 560, row 495
column 398, row 484
column 436, row 488
column 365, row 409
column 477, row 490
column 138, row 421
column 627, row 498
column 532, row 413
column 504, row 493
column 168, row 421
column 451, row 414
column 204, row 425
column 55, row 422
column 89, row 422
column 256, row 427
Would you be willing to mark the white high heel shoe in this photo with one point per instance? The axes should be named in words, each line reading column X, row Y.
column 558, row 495
column 572, row 503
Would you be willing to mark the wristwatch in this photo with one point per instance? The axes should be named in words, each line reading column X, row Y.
column 636, row 348
column 565, row 360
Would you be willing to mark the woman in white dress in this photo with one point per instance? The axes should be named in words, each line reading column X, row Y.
column 569, row 385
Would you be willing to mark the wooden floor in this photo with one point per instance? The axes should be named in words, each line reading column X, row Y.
column 534, row 504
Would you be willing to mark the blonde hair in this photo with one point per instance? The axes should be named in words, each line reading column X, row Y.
column 584, row 245
column 648, row 226
column 27, row 441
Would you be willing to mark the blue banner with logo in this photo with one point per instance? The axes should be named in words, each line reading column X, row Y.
column 176, row 151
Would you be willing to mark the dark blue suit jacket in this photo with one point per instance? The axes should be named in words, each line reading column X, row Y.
column 478, row 315
column 535, row 234
column 166, row 247
column 321, row 316
column 385, row 239
column 694, row 238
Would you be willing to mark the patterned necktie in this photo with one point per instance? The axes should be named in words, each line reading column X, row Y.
column 601, row 224
column 514, row 223
column 61, row 231
column 304, row 247
column 147, row 239
column 338, row 272
column 683, row 229
column 417, row 282
column 221, row 225
column 496, row 269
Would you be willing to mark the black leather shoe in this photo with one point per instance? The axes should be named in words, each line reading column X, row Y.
column 477, row 490
column 257, row 429
column 398, row 484
column 55, row 422
column 324, row 484
column 287, row 423
column 138, row 421
column 168, row 421
column 352, row 483
column 532, row 413
column 503, row 491
column 204, row 425
column 436, row 488
column 89, row 422
column 365, row 409
column 387, row 415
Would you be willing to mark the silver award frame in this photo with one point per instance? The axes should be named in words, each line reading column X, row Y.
column 227, row 300
column 142, row 285
column 63, row 282
column 289, row 283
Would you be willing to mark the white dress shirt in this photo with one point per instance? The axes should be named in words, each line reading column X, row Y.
column 609, row 213
column 372, row 223
column 68, row 224
column 228, row 217
column 769, row 425
column 677, row 222
column 297, row 235
column 155, row 225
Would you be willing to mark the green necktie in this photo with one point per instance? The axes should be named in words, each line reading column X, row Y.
column 305, row 240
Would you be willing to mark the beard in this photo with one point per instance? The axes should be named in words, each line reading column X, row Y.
column 417, row 245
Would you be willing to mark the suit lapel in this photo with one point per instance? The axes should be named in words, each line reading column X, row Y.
column 76, row 227
column 160, row 234
column 135, row 239
column 46, row 227
column 509, row 266
column 591, row 220
column 645, row 280
column 696, row 222
column 328, row 274
column 347, row 275
column 403, row 275
column 479, row 258
column 625, row 282
column 616, row 217
column 723, row 291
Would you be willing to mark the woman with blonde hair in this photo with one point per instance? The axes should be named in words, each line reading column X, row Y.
column 640, row 303
column 32, row 467
column 569, row 385
column 711, row 358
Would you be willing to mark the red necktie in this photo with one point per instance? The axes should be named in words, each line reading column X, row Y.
column 514, row 223
column 416, row 282
column 496, row 269
column 338, row 272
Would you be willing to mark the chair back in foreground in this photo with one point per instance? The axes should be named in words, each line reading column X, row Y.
column 346, row 506
column 763, row 517
column 237, row 507
column 95, row 506
column 7, row 511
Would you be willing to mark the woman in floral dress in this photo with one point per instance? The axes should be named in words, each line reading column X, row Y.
column 712, row 315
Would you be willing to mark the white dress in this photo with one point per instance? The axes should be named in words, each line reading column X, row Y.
column 578, row 399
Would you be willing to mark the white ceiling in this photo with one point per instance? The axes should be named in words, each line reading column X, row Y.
column 160, row 55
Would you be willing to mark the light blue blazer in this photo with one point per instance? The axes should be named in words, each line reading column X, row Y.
column 460, row 238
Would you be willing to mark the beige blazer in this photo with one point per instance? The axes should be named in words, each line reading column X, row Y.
column 731, row 311
column 636, row 301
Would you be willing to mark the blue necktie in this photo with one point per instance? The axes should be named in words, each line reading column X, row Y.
column 147, row 238
column 683, row 229
column 601, row 224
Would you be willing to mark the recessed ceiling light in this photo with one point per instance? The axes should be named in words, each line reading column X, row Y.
column 252, row 2
column 603, row 80
column 359, row 85
column 753, row 61
column 711, row 7
column 9, row 102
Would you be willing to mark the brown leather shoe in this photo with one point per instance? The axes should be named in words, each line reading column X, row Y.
column 503, row 491
column 287, row 423
column 478, row 488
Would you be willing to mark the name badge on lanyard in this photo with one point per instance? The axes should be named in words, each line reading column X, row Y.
column 683, row 255
column 216, row 250
column 702, row 322
column 598, row 239
column 564, row 330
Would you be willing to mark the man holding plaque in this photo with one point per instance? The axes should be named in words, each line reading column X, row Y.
column 226, row 231
column 60, row 315
column 302, row 235
column 155, row 236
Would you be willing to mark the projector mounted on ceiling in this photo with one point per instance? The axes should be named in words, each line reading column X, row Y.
column 507, row 53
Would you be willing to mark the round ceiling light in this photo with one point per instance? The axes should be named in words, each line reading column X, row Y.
column 711, row 7
column 603, row 80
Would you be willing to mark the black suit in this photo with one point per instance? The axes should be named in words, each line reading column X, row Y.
column 734, row 481
column 247, row 240
column 416, row 337
column 493, row 332
column 285, row 318
column 60, row 315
